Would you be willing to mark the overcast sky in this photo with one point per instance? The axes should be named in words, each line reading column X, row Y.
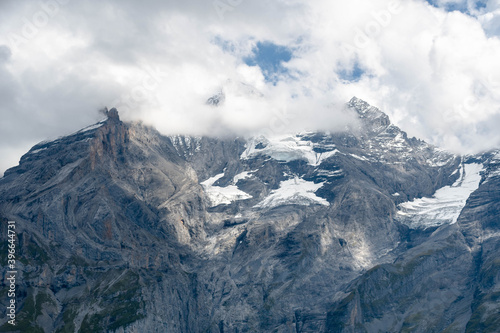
column 432, row 66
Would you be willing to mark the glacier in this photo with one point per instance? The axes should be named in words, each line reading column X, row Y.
column 287, row 148
column 446, row 204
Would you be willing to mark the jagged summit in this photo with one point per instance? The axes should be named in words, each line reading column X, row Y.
column 110, row 114
column 373, row 120
column 364, row 108
column 113, row 114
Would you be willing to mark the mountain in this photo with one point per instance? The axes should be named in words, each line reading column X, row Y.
column 234, row 89
column 122, row 229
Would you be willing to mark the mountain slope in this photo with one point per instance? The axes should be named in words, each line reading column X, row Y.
column 123, row 229
column 453, row 271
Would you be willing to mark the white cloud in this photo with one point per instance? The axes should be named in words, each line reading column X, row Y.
column 434, row 72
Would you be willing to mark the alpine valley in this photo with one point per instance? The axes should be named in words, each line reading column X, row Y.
column 122, row 229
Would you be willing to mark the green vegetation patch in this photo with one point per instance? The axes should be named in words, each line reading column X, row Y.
column 120, row 303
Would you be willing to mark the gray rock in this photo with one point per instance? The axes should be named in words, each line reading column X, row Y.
column 117, row 233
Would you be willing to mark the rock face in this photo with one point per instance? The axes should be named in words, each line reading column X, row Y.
column 122, row 229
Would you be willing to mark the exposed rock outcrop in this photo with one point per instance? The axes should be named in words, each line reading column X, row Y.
column 122, row 229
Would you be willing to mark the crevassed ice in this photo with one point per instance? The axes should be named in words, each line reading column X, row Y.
column 446, row 204
column 224, row 195
column 287, row 148
column 294, row 191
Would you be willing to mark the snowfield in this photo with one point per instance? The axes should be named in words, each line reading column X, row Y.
column 294, row 191
column 224, row 195
column 446, row 204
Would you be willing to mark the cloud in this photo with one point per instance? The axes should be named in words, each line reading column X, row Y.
column 433, row 70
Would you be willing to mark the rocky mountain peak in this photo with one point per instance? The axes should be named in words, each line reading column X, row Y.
column 98, row 142
column 109, row 139
column 217, row 99
column 373, row 121
column 364, row 108
column 132, row 231
column 113, row 114
column 110, row 114
column 368, row 112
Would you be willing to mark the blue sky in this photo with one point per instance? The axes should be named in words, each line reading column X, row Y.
column 450, row 6
column 271, row 59
column 485, row 11
column 460, row 5
column 352, row 74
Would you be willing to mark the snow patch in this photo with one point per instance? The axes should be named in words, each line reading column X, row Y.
column 222, row 195
column 241, row 176
column 91, row 127
column 295, row 191
column 36, row 151
column 286, row 148
column 398, row 141
column 446, row 204
column 362, row 158
column 441, row 158
column 330, row 173
column 186, row 145
column 54, row 141
column 493, row 174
